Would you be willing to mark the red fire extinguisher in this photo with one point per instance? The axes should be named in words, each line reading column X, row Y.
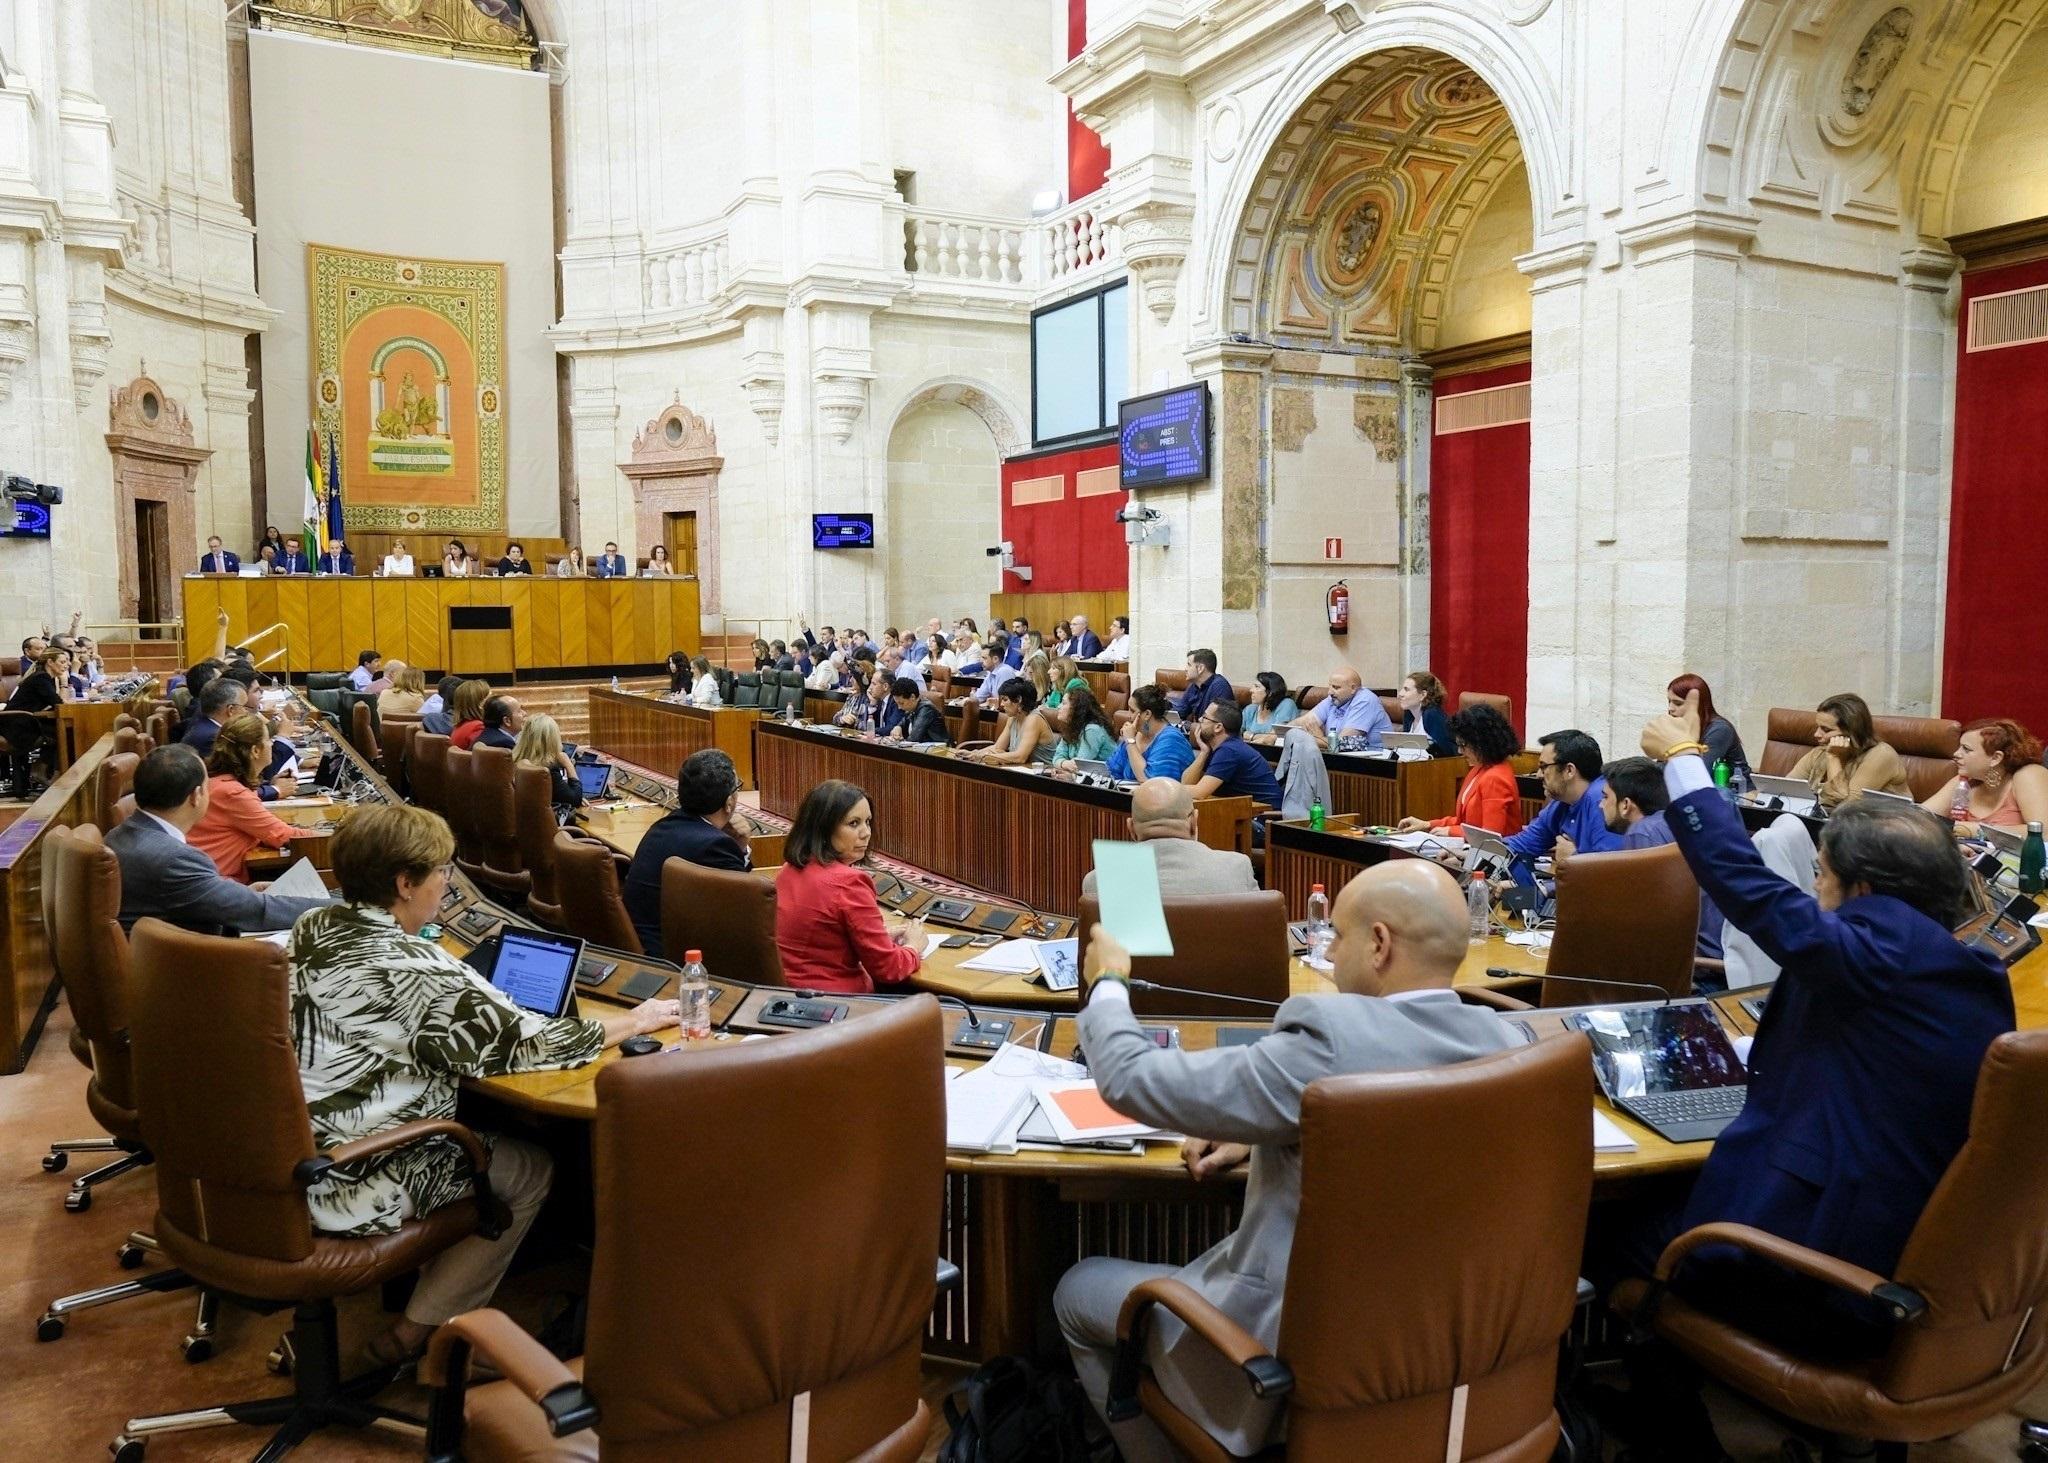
column 1338, row 603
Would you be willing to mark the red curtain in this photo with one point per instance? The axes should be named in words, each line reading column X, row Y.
column 1997, row 629
column 1072, row 544
column 1479, row 551
column 1087, row 153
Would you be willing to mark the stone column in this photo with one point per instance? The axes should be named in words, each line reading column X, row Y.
column 1416, row 398
column 604, row 496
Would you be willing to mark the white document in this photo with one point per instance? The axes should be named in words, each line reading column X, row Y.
column 300, row 881
column 984, row 1109
column 932, row 942
column 1011, row 957
column 1608, row 1136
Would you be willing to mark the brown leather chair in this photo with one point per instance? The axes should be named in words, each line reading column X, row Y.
column 1503, row 704
column 1309, row 697
column 394, row 743
column 234, row 1157
column 161, row 724
column 458, row 806
column 1232, row 944
column 1172, row 682
column 589, row 876
column 1407, row 1335
column 1925, row 744
column 362, row 732
column 111, row 783
column 1632, row 916
column 534, row 827
column 501, row 869
column 769, row 1346
column 728, row 916
column 1973, row 1276
column 427, row 770
column 970, row 722
column 132, row 740
column 1116, row 692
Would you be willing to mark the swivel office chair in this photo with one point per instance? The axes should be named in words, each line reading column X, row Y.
column 501, row 871
column 1232, row 944
column 427, row 771
column 458, row 806
column 362, row 731
column 589, row 876
column 777, row 1360
column 111, row 783
column 534, row 828
column 1631, row 915
column 1408, row 1332
column 394, row 741
column 729, row 916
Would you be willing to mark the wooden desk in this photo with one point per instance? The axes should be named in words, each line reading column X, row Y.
column 80, row 724
column 1383, row 790
column 660, row 734
column 27, row 976
column 631, row 624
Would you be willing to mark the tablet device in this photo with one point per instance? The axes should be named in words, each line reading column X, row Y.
column 1405, row 741
column 596, row 778
column 537, row 969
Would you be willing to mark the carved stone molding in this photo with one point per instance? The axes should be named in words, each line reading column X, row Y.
column 1155, row 242
column 92, row 343
column 841, row 400
column 674, row 468
column 155, row 461
column 678, row 440
column 17, row 339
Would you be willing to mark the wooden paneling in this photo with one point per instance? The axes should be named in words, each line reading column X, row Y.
column 1100, row 606
column 547, row 622
column 25, row 969
column 518, row 596
column 659, row 734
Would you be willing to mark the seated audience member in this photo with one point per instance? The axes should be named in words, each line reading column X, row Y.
column 1270, row 711
column 658, row 563
column 398, row 563
column 217, row 560
column 455, row 560
column 1150, row 746
column 164, row 877
column 706, row 828
column 1724, row 743
column 1223, row 766
column 1348, row 711
column 764, row 659
column 1037, row 670
column 273, row 541
column 872, row 713
column 1400, row 937
column 1487, row 796
column 336, row 559
column 1062, row 637
column 1422, row 710
column 1085, row 734
column 437, row 711
column 292, row 559
column 539, row 744
column 515, row 560
column 387, row 1024
column 235, row 823
column 1012, row 647
column 503, row 716
column 1062, row 676
column 1082, row 642
column 917, row 719
column 895, row 663
column 44, row 688
column 680, row 675
column 612, row 564
column 468, row 713
column 1999, row 780
column 1163, row 815
column 995, row 671
column 1849, row 758
column 1205, row 687
column 779, row 656
column 368, row 672
column 408, row 693
column 829, row 674
column 964, row 654
column 1027, row 737
column 1118, row 650
column 570, row 565
column 1861, row 1080
column 828, row 925
column 1632, row 804
column 221, row 698
column 266, row 558
column 1571, row 822
column 704, row 692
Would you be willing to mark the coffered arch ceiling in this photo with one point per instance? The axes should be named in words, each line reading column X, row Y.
column 1350, row 232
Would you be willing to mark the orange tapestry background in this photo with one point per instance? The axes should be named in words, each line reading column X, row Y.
column 393, row 455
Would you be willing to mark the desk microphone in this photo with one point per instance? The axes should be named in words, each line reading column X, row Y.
column 1502, row 972
column 988, row 1035
column 1175, row 990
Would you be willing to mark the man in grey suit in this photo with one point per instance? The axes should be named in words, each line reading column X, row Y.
column 1163, row 815
column 163, row 877
column 1400, row 936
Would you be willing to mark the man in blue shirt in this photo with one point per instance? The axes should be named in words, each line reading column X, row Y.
column 994, row 672
column 1205, row 688
column 1632, row 805
column 1571, row 822
column 1348, row 711
column 1225, row 766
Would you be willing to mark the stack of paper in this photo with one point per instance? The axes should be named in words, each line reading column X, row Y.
column 1079, row 1115
column 987, row 1105
column 1012, row 957
column 300, row 881
column 1608, row 1136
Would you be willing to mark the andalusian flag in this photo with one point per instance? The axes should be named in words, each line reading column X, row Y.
column 314, row 535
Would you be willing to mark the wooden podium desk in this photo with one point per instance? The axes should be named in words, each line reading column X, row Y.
column 659, row 734
column 557, row 624
column 1383, row 790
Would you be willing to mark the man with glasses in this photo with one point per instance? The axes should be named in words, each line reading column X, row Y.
column 1571, row 822
column 1225, row 766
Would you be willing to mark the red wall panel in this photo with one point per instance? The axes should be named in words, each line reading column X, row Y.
column 1996, row 634
column 1071, row 544
column 1087, row 153
column 1479, row 552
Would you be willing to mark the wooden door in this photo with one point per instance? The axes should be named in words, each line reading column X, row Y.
column 679, row 532
column 153, row 578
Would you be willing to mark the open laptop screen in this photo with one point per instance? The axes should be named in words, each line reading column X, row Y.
column 596, row 778
column 537, row 970
column 1642, row 1050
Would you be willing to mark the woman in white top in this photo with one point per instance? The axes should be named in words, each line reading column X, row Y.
column 657, row 562
column 570, row 565
column 704, row 690
column 827, row 673
column 398, row 563
column 456, row 562
column 1119, row 646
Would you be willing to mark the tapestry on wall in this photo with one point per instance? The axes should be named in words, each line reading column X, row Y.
column 409, row 377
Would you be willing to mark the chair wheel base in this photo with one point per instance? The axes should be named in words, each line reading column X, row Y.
column 130, row 1257
column 279, row 1361
column 78, row 1201
column 56, row 1162
column 197, row 1349
column 50, row 1327
column 127, row 1450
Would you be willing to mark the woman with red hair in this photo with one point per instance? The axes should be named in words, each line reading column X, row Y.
column 1724, row 743
column 1999, row 779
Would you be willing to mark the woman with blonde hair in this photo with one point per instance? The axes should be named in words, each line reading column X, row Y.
column 236, row 823
column 1066, row 677
column 407, row 693
column 540, row 745
column 467, row 713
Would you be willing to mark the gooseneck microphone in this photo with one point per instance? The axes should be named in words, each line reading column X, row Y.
column 1658, row 992
column 1175, row 990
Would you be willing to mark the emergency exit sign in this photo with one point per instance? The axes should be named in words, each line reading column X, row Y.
column 1333, row 548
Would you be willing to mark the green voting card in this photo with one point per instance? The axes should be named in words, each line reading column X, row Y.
column 1127, row 889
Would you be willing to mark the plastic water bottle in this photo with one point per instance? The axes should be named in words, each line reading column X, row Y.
column 2033, row 857
column 1959, row 805
column 1319, row 931
column 695, row 990
column 1479, row 909
column 615, row 683
column 1316, row 817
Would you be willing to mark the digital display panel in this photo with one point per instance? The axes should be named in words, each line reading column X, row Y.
column 28, row 520
column 842, row 530
column 1164, row 438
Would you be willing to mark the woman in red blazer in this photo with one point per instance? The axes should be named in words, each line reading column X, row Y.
column 1488, row 797
column 236, row 822
column 828, row 924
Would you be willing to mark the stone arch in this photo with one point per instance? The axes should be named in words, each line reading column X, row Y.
column 1490, row 49
column 999, row 416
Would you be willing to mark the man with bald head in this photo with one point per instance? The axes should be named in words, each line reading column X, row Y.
column 1084, row 644
column 1163, row 815
column 1400, row 937
column 1348, row 711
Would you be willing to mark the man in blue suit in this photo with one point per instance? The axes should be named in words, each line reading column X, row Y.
column 217, row 560
column 337, row 559
column 1865, row 1063
column 293, row 560
column 611, row 564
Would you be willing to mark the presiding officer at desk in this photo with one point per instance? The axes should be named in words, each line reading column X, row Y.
column 828, row 925
column 1400, row 936
column 386, row 1024
column 704, row 829
column 164, row 877
column 1163, row 815
column 1865, row 1063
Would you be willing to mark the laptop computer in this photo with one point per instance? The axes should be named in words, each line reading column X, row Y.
column 1092, row 769
column 1791, row 789
column 1405, row 741
column 536, row 968
column 1671, row 1067
column 596, row 778
column 1483, row 843
column 2005, row 840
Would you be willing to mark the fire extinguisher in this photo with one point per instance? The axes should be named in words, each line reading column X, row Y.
column 1338, row 604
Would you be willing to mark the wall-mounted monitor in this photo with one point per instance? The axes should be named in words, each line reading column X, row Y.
column 842, row 530
column 1164, row 438
column 26, row 520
